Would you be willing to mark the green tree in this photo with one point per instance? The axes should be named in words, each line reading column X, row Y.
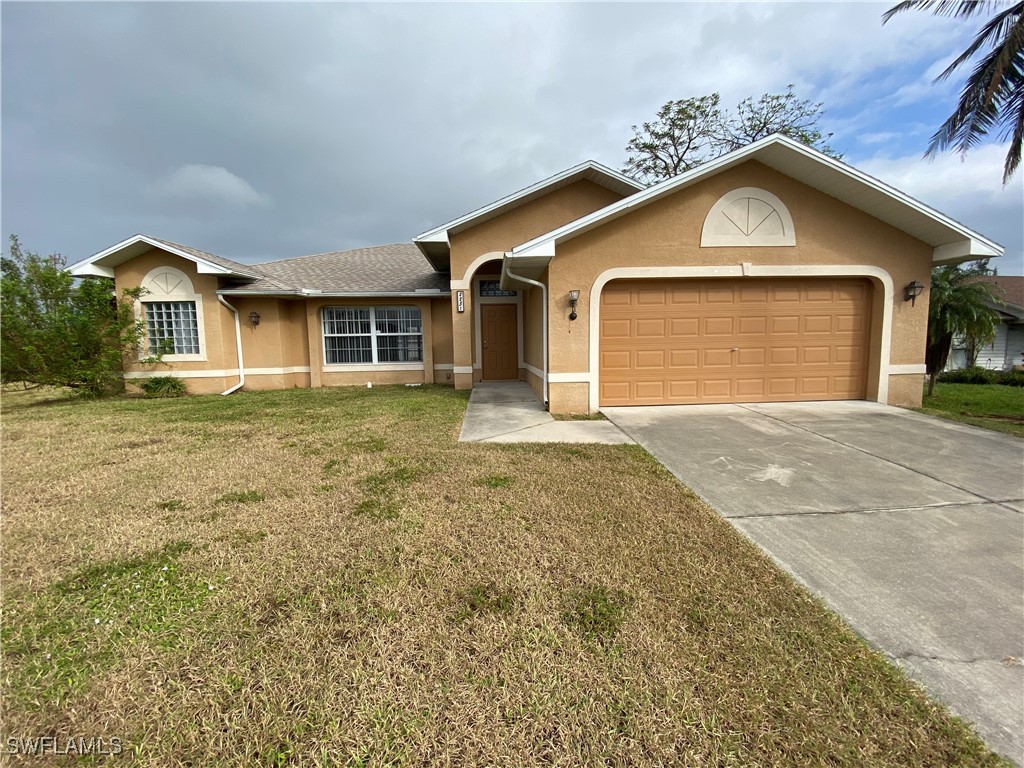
column 57, row 333
column 992, row 99
column 689, row 132
column 958, row 307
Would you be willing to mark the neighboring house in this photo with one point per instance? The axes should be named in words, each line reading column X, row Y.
column 1007, row 348
column 773, row 273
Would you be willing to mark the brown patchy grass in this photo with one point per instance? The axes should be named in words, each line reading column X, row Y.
column 326, row 577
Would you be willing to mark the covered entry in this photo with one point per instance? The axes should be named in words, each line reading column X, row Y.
column 733, row 340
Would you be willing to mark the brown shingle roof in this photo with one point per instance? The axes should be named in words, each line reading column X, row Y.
column 395, row 268
column 234, row 266
column 1007, row 288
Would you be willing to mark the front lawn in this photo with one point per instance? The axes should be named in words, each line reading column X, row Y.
column 993, row 406
column 326, row 577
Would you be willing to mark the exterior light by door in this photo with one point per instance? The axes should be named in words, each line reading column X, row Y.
column 574, row 296
column 912, row 291
column 254, row 318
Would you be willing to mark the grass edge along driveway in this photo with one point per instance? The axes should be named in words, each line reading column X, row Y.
column 326, row 577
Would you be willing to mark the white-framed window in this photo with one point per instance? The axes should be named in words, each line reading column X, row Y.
column 172, row 327
column 371, row 335
column 173, row 316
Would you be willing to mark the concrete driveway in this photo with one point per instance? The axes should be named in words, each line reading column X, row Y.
column 911, row 528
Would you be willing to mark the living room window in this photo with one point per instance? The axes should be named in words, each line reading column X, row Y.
column 372, row 335
column 172, row 327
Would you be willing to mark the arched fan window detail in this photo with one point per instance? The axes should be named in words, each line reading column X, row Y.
column 748, row 216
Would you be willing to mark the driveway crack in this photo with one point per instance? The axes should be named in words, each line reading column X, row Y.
column 1006, row 661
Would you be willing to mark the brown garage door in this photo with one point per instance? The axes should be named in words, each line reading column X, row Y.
column 733, row 341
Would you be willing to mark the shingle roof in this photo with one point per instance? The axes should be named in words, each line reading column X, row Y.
column 1006, row 288
column 395, row 268
column 234, row 266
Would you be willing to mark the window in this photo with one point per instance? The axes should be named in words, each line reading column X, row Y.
column 493, row 288
column 172, row 327
column 372, row 335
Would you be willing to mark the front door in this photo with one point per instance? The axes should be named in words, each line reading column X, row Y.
column 499, row 341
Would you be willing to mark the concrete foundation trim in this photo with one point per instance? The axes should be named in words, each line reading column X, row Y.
column 216, row 373
column 739, row 271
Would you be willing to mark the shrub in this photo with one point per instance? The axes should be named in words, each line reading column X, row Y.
column 969, row 376
column 1011, row 378
column 164, row 386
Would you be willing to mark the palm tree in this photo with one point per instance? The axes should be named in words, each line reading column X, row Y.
column 993, row 94
column 958, row 307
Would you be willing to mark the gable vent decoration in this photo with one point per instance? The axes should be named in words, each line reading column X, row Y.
column 746, row 217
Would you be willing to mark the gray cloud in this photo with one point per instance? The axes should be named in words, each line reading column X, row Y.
column 365, row 124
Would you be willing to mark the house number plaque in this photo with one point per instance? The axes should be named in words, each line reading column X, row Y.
column 460, row 300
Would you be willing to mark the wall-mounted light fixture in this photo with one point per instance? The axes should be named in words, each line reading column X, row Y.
column 912, row 291
column 254, row 318
column 574, row 296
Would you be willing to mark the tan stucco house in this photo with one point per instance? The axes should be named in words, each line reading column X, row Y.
column 773, row 273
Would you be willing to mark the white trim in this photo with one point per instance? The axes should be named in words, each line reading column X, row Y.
column 466, row 283
column 578, row 377
column 736, row 238
column 534, row 370
column 440, row 234
column 369, row 368
column 462, row 369
column 478, row 302
column 217, row 373
column 89, row 266
column 544, row 245
column 907, row 368
column 818, row 270
column 443, row 367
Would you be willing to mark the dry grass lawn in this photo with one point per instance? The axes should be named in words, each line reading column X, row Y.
column 326, row 577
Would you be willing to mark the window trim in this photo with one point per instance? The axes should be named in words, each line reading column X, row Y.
column 374, row 364
column 156, row 292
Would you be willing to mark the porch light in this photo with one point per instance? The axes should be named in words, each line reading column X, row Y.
column 574, row 296
column 254, row 318
column 912, row 291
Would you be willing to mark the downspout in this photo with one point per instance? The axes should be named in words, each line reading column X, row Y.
column 544, row 334
column 238, row 347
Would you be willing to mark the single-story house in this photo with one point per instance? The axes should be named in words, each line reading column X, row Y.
column 773, row 273
column 1007, row 348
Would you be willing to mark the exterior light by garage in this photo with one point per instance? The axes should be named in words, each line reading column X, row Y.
column 574, row 296
column 912, row 291
column 254, row 318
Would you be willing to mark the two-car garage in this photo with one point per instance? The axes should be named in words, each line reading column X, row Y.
column 734, row 340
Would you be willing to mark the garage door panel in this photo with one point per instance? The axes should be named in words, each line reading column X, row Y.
column 717, row 358
column 719, row 326
column 650, row 327
column 718, row 341
column 649, row 358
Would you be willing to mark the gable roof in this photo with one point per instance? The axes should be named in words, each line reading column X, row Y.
column 434, row 243
column 102, row 264
column 952, row 241
column 1008, row 291
column 398, row 269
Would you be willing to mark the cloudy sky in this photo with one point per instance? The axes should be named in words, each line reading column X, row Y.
column 265, row 130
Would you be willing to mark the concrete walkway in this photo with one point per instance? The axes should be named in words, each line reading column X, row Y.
column 909, row 527
column 509, row 412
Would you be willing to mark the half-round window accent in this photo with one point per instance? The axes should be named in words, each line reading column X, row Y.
column 747, row 216
column 167, row 281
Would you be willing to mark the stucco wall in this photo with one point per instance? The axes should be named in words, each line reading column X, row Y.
column 502, row 233
column 218, row 323
column 667, row 233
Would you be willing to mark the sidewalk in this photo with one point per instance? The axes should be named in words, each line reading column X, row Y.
column 509, row 412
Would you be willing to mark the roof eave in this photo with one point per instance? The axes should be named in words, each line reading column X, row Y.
column 102, row 264
column 314, row 294
column 972, row 245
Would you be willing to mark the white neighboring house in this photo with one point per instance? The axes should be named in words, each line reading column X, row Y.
column 1007, row 348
